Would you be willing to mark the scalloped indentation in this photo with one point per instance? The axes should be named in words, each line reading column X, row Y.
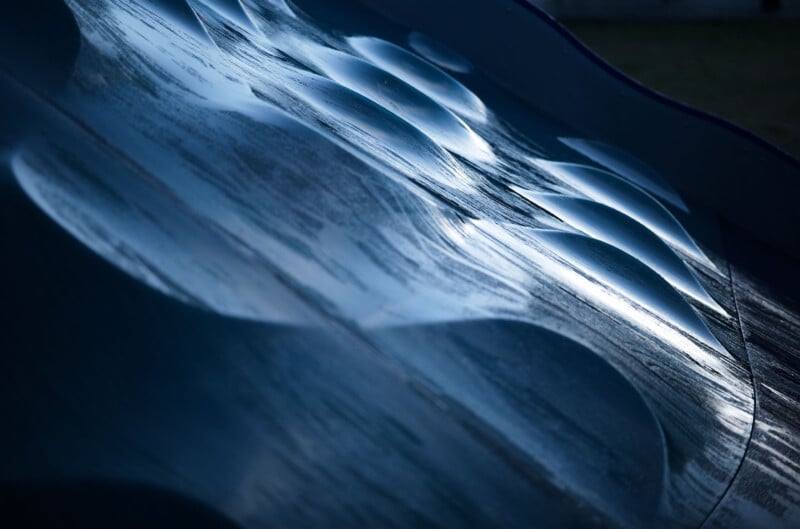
column 182, row 14
column 609, row 189
column 402, row 99
column 362, row 122
column 612, row 227
column 421, row 74
column 438, row 53
column 626, row 274
column 231, row 9
column 627, row 166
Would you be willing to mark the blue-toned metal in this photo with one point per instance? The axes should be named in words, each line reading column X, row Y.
column 301, row 264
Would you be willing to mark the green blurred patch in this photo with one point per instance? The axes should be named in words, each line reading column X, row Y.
column 747, row 72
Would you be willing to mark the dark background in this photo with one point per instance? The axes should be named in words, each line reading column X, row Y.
column 736, row 59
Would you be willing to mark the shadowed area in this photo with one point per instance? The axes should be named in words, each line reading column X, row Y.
column 100, row 505
column 296, row 428
column 39, row 41
column 540, row 391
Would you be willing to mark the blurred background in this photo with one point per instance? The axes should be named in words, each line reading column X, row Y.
column 737, row 59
